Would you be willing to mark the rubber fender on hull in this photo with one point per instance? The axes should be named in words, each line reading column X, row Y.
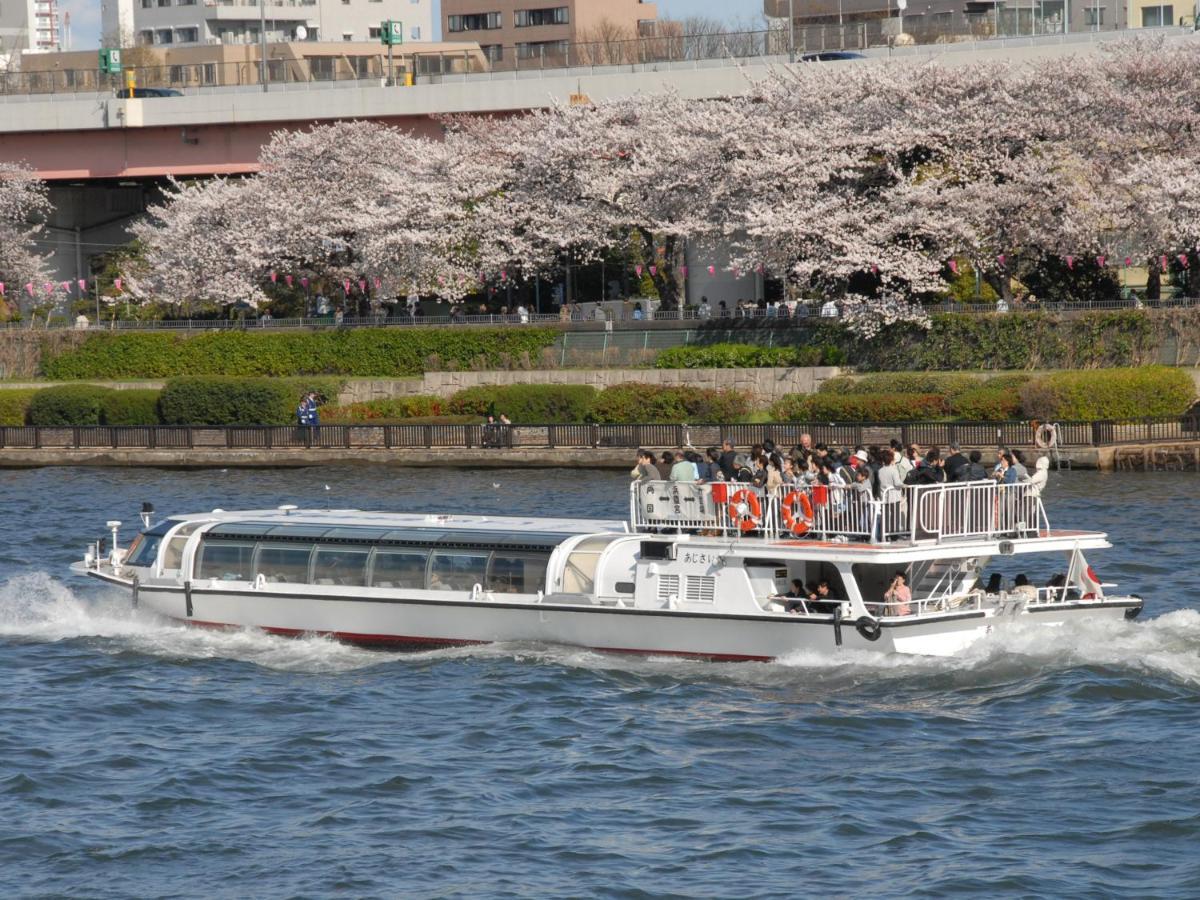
column 837, row 625
column 1134, row 611
column 869, row 628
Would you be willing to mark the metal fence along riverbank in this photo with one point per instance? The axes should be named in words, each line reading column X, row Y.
column 589, row 436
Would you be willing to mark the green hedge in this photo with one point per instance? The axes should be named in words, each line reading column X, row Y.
column 67, row 405
column 550, row 404
column 986, row 404
column 634, row 402
column 14, row 405
column 365, row 352
column 738, row 356
column 130, row 407
column 421, row 406
column 1109, row 394
column 949, row 384
column 216, row 400
column 859, row 407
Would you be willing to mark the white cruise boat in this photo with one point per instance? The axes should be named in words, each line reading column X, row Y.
column 700, row 570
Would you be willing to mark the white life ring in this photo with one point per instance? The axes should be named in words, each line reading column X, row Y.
column 1046, row 436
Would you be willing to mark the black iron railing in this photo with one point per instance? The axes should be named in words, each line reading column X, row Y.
column 581, row 436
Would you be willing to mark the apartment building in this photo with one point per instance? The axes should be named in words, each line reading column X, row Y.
column 509, row 30
column 190, row 22
column 29, row 26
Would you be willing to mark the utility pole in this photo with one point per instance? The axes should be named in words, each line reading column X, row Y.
column 262, row 43
column 791, row 30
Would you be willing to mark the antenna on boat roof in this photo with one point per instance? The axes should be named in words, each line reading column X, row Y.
column 287, row 508
column 147, row 512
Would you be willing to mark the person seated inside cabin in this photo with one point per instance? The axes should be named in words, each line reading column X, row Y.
column 1024, row 588
column 898, row 597
column 823, row 598
column 794, row 599
column 1057, row 587
column 994, row 584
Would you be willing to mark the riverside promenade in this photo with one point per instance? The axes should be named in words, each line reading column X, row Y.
column 1171, row 444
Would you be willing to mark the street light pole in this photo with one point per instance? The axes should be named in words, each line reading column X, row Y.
column 792, row 31
column 262, row 43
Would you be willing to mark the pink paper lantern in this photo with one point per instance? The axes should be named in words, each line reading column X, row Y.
column 1162, row 262
column 49, row 287
column 29, row 288
column 1071, row 263
column 1002, row 258
column 712, row 270
column 504, row 274
column 346, row 287
column 1, row 288
column 874, row 269
column 378, row 284
column 304, row 282
column 66, row 286
column 683, row 271
column 1128, row 262
column 82, row 285
column 362, row 285
column 761, row 270
column 117, row 283
column 1100, row 261
column 288, row 279
column 274, row 277
column 954, row 266
column 638, row 269
column 1183, row 260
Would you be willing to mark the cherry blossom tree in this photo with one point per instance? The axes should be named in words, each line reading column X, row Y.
column 24, row 203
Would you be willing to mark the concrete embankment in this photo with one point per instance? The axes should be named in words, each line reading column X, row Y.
column 1183, row 456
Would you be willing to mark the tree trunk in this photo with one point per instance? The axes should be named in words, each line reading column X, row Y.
column 1153, row 280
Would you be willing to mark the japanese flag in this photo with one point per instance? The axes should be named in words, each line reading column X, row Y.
column 1089, row 581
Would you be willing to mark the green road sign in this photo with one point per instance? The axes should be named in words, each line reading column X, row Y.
column 391, row 32
column 110, row 62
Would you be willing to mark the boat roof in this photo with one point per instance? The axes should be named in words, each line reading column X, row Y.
column 361, row 525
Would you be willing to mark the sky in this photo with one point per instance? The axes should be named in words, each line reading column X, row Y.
column 85, row 15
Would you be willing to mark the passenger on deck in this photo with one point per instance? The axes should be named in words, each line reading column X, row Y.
column 683, row 468
column 898, row 596
column 1041, row 473
column 956, row 463
column 975, row 470
column 645, row 470
column 1024, row 588
column 728, row 460
column 823, row 597
column 994, row 584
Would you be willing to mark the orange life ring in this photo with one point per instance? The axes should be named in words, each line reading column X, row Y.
column 796, row 524
column 752, row 521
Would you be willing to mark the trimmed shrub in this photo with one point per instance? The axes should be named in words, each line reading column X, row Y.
column 132, row 407
column 539, row 404
column 366, row 352
column 67, row 405
column 737, row 356
column 859, row 407
column 1109, row 394
column 949, row 384
column 987, row 404
column 419, row 406
column 1009, row 381
column 14, row 405
column 216, row 400
column 634, row 402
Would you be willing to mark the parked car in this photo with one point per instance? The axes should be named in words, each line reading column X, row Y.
column 831, row 56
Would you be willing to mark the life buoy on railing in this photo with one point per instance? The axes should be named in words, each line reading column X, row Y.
column 1046, row 436
column 869, row 628
column 796, row 511
column 745, row 510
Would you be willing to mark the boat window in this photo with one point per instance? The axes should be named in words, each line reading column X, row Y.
column 399, row 569
column 173, row 555
column 337, row 565
column 225, row 562
column 144, row 550
column 517, row 573
column 457, row 571
column 283, row 563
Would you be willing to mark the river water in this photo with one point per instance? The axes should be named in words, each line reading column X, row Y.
column 139, row 758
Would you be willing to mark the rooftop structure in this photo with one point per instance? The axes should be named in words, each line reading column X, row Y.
column 28, row 26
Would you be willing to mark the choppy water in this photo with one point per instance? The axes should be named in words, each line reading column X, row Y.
column 139, row 758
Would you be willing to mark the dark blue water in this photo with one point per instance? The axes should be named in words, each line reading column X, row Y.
column 141, row 759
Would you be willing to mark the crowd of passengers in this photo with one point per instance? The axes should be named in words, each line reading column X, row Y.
column 876, row 472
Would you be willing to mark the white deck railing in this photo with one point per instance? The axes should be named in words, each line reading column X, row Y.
column 938, row 512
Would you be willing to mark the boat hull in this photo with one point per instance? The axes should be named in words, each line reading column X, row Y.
column 423, row 622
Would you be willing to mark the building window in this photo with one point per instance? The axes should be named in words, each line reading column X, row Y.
column 185, row 2
column 493, row 52
column 373, row 33
column 558, row 15
column 147, row 4
column 347, row 35
column 541, row 49
column 1093, row 16
column 162, row 3
column 186, row 35
column 473, row 22
column 164, row 36
column 415, row 33
column 1158, row 16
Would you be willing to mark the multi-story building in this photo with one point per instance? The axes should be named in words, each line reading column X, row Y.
column 28, row 26
column 189, row 22
column 509, row 31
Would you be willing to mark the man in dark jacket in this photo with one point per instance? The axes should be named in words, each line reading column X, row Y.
column 975, row 470
column 956, row 463
column 726, row 462
column 932, row 472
